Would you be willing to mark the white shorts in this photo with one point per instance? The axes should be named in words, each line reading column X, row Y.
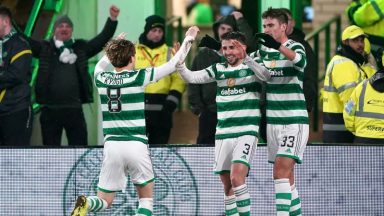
column 123, row 158
column 233, row 150
column 287, row 141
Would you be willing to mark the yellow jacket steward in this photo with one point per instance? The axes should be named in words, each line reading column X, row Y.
column 342, row 76
column 369, row 15
column 146, row 57
column 364, row 113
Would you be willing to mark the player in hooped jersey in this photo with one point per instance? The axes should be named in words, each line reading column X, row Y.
column 237, row 99
column 287, row 117
column 126, row 152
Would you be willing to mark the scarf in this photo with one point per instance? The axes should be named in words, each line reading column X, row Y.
column 66, row 52
column 3, row 41
column 143, row 40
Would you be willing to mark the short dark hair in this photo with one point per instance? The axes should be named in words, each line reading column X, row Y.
column 234, row 35
column 119, row 52
column 276, row 13
column 286, row 11
column 5, row 12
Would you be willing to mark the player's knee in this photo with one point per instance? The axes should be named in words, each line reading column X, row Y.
column 237, row 180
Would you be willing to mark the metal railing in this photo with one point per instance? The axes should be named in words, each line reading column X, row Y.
column 315, row 36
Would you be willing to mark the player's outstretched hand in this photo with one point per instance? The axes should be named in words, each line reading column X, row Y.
column 267, row 40
column 176, row 46
column 192, row 31
column 121, row 36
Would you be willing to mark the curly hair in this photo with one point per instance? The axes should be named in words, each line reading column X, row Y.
column 120, row 52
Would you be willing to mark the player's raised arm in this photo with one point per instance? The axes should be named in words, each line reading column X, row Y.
column 179, row 57
column 196, row 77
column 261, row 72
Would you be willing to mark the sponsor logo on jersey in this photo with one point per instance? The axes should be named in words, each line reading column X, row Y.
column 175, row 193
column 276, row 73
column 234, row 91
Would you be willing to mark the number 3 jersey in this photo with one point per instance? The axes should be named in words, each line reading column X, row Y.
column 122, row 103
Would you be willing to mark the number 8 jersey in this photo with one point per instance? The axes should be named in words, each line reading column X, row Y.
column 122, row 103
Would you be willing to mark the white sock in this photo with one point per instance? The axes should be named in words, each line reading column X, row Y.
column 243, row 200
column 145, row 207
column 230, row 206
column 283, row 196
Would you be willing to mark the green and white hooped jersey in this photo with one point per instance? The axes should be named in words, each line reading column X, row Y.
column 285, row 97
column 122, row 103
column 237, row 99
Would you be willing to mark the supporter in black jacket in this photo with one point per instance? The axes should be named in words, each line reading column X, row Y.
column 63, row 82
column 15, row 92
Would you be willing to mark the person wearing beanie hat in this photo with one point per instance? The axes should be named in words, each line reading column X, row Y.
column 202, row 97
column 63, row 83
column 163, row 97
column 344, row 72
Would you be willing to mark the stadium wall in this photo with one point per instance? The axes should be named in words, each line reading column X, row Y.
column 333, row 180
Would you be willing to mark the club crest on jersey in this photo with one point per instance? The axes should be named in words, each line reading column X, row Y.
column 231, row 82
column 243, row 73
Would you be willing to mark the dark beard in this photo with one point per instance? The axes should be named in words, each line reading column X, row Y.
column 350, row 53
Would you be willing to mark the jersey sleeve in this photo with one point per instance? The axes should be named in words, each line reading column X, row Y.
column 262, row 73
column 206, row 75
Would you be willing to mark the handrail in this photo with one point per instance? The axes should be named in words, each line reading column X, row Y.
column 170, row 30
column 314, row 35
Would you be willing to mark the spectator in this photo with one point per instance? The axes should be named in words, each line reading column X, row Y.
column 364, row 112
column 15, row 92
column 202, row 97
column 200, row 13
column 368, row 15
column 343, row 74
column 163, row 97
column 63, row 82
column 286, row 113
column 238, row 90
column 122, row 100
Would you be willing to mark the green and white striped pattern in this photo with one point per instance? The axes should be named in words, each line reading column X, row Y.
column 243, row 200
column 283, row 196
column 295, row 209
column 96, row 204
column 230, row 206
column 237, row 100
column 285, row 97
column 124, row 119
